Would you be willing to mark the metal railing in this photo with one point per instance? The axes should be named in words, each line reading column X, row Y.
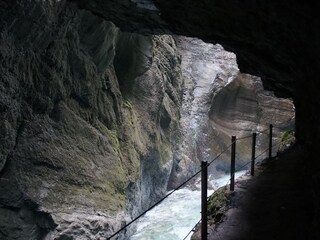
column 234, row 140
column 204, row 179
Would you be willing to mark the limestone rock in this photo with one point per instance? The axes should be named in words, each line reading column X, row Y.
column 244, row 107
column 275, row 40
column 88, row 120
column 219, row 102
column 89, row 114
column 206, row 69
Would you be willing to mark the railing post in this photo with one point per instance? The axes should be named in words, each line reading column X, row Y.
column 233, row 162
column 270, row 141
column 204, row 210
column 253, row 153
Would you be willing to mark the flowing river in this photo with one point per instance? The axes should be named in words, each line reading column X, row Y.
column 175, row 216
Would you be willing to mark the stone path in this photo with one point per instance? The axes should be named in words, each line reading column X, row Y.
column 275, row 204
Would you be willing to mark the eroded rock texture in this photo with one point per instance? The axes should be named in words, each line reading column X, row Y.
column 206, row 69
column 243, row 107
column 85, row 110
column 71, row 117
column 218, row 102
column 277, row 41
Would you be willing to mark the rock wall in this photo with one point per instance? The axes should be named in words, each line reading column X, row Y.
column 277, row 41
column 244, row 107
column 206, row 69
column 88, row 119
column 90, row 115
column 218, row 102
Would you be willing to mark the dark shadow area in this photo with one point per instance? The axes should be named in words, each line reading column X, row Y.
column 281, row 202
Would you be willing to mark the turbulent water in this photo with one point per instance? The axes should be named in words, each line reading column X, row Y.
column 176, row 216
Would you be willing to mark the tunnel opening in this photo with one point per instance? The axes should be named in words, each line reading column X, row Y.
column 131, row 87
column 218, row 102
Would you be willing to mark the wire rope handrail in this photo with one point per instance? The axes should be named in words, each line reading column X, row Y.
column 191, row 230
column 245, row 137
column 261, row 132
column 166, row 196
column 190, row 178
column 225, row 150
column 158, row 202
column 242, row 167
column 247, row 163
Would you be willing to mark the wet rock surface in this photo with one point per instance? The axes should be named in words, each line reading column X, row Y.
column 206, row 69
column 244, row 107
column 219, row 102
column 60, row 76
column 277, row 41
column 87, row 121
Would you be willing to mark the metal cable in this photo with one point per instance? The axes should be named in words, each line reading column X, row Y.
column 185, row 182
column 209, row 196
column 261, row 153
column 261, row 132
column 247, row 164
column 220, row 153
column 248, row 136
column 255, row 158
column 279, row 128
column 279, row 141
column 192, row 229
column 162, row 199
column 244, row 165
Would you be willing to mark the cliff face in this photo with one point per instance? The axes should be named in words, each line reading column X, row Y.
column 218, row 102
column 277, row 41
column 90, row 115
column 87, row 120
column 242, row 107
column 206, row 69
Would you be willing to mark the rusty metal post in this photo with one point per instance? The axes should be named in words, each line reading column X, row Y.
column 233, row 162
column 204, row 207
column 253, row 153
column 270, row 141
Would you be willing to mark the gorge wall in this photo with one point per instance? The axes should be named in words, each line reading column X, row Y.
column 219, row 102
column 90, row 115
column 277, row 41
column 85, row 109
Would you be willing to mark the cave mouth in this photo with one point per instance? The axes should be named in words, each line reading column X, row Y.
column 83, row 105
column 244, row 107
column 219, row 102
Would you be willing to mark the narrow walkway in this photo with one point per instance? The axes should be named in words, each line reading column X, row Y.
column 275, row 204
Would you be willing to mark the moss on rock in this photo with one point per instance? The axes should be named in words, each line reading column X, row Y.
column 287, row 139
column 217, row 206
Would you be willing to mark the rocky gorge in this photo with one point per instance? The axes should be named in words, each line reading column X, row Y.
column 219, row 102
column 97, row 122
column 85, row 109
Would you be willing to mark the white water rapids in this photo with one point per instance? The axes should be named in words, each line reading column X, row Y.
column 175, row 216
